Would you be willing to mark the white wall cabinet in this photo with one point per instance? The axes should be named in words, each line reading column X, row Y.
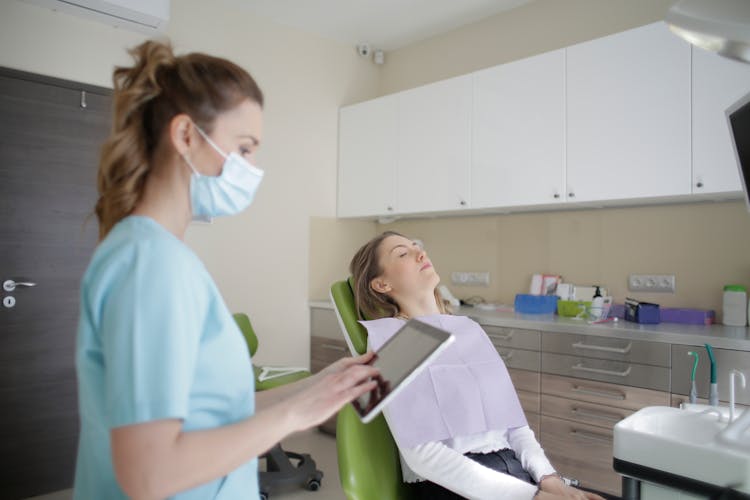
column 368, row 143
column 518, row 133
column 717, row 83
column 628, row 116
column 434, row 147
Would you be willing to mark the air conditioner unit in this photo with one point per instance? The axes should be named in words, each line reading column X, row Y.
column 145, row 16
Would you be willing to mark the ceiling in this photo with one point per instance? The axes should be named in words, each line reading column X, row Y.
column 384, row 24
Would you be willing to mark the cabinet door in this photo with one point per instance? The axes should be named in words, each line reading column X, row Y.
column 434, row 147
column 518, row 127
column 628, row 116
column 367, row 158
column 717, row 83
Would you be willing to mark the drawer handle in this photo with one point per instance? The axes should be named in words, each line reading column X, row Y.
column 601, row 393
column 504, row 338
column 591, row 436
column 596, row 415
column 582, row 368
column 507, row 356
column 617, row 350
column 333, row 347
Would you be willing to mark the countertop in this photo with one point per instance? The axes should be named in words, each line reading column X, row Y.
column 719, row 336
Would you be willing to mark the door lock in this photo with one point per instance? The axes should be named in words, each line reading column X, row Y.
column 9, row 301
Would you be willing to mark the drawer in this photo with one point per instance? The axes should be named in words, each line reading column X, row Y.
column 631, row 398
column 726, row 360
column 524, row 380
column 583, row 412
column 520, row 358
column 590, row 346
column 618, row 372
column 529, row 401
column 581, row 451
column 326, row 350
column 513, row 337
column 324, row 323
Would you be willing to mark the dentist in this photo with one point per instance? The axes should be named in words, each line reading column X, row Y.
column 165, row 381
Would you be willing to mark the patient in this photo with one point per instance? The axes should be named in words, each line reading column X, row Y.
column 459, row 426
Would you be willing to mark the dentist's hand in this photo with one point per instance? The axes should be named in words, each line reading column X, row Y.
column 346, row 380
column 344, row 363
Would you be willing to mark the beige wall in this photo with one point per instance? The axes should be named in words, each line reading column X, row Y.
column 538, row 27
column 704, row 245
column 260, row 258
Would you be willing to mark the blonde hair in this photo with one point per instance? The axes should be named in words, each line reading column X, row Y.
column 365, row 267
column 146, row 97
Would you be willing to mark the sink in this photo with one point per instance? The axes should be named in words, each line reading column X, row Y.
column 685, row 443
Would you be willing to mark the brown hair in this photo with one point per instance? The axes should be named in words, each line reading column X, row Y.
column 146, row 97
column 365, row 267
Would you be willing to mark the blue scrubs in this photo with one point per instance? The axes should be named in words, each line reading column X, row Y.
column 156, row 341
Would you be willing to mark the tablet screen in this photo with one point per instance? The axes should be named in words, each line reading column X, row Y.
column 400, row 360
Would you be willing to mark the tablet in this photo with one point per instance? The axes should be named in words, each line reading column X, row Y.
column 400, row 360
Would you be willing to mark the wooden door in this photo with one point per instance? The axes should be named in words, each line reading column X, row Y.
column 50, row 136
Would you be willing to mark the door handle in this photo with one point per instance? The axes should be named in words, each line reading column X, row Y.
column 10, row 285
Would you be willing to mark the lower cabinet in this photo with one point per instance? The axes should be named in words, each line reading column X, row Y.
column 527, row 387
column 577, row 420
column 323, row 352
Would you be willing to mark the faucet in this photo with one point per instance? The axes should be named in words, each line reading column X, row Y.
column 731, row 390
column 735, row 432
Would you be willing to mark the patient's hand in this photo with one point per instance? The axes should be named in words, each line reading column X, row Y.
column 344, row 363
column 552, row 487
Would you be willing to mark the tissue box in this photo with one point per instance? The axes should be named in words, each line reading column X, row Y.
column 535, row 304
column 641, row 312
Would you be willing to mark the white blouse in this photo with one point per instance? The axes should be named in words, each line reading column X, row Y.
column 444, row 463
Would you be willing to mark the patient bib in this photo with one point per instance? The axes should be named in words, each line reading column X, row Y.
column 466, row 390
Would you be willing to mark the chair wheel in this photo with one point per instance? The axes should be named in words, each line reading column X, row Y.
column 313, row 485
column 263, row 495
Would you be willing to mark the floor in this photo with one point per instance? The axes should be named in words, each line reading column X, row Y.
column 321, row 447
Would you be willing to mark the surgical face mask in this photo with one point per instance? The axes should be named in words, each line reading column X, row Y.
column 228, row 193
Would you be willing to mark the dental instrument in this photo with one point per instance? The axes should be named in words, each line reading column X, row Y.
column 693, row 390
column 731, row 391
column 713, row 392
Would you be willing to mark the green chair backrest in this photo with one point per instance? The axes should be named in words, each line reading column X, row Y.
column 243, row 321
column 342, row 296
column 369, row 465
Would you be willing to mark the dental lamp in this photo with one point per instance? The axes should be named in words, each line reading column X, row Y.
column 721, row 26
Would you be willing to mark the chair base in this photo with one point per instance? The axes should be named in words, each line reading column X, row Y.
column 281, row 472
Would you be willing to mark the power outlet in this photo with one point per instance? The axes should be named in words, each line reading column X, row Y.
column 470, row 279
column 651, row 283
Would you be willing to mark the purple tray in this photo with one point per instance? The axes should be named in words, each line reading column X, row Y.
column 687, row 316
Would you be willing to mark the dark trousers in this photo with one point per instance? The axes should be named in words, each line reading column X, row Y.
column 504, row 461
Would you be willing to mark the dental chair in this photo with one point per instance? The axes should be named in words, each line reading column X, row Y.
column 369, row 464
column 281, row 472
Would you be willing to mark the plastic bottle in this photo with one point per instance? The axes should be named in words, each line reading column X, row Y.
column 597, row 305
column 735, row 308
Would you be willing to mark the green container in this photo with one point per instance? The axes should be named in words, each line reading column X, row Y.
column 572, row 308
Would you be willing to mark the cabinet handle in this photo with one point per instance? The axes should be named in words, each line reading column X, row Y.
column 596, row 415
column 590, row 436
column 617, row 350
column 582, row 368
column 507, row 356
column 389, row 208
column 602, row 393
column 463, row 203
column 556, row 195
column 333, row 347
column 699, row 185
column 571, row 195
column 504, row 338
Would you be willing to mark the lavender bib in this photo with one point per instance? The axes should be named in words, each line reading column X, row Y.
column 465, row 391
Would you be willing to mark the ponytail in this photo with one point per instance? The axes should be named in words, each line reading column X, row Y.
column 146, row 97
